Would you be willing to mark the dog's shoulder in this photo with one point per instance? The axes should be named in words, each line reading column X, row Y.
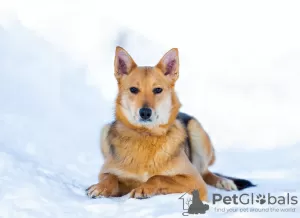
column 184, row 118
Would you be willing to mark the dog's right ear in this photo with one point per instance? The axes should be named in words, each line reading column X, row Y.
column 124, row 63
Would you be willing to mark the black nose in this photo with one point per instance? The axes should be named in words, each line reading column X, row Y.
column 145, row 113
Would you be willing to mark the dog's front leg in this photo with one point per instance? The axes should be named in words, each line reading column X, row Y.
column 170, row 184
column 108, row 186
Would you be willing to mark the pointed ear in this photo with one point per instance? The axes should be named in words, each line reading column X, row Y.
column 169, row 64
column 124, row 63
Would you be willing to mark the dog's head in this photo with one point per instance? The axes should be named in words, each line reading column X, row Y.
column 146, row 97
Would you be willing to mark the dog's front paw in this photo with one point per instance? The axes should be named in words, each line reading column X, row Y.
column 101, row 189
column 226, row 184
column 144, row 191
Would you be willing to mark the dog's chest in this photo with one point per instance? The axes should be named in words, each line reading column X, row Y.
column 142, row 153
column 142, row 156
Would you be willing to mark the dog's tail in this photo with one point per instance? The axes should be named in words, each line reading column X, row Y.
column 240, row 183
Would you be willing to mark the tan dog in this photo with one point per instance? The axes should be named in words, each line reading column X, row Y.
column 151, row 148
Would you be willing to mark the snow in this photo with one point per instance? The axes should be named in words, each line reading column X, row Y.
column 239, row 60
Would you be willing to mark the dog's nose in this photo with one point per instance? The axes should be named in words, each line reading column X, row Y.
column 145, row 113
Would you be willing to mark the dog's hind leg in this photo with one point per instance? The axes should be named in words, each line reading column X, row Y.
column 226, row 182
column 202, row 154
column 219, row 182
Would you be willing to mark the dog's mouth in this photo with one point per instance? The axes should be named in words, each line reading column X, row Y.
column 145, row 120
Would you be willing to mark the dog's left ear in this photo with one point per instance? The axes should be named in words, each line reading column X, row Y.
column 169, row 64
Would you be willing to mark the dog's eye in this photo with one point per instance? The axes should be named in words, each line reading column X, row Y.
column 134, row 90
column 157, row 90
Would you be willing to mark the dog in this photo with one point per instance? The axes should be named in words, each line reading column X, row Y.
column 152, row 148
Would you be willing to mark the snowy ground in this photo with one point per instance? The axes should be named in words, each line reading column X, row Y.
column 57, row 90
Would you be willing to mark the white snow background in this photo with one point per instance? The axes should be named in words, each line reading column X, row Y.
column 239, row 75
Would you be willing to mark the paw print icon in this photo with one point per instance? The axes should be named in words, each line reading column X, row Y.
column 261, row 199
